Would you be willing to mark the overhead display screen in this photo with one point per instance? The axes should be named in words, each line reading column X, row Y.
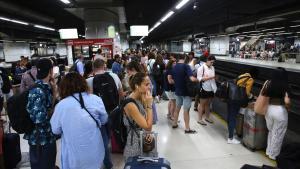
column 139, row 30
column 68, row 34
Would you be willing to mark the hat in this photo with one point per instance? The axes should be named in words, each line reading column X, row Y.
column 43, row 68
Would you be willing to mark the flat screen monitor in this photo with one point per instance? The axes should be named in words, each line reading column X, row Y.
column 139, row 30
column 68, row 33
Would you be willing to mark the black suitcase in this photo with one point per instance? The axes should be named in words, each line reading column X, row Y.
column 147, row 163
column 11, row 150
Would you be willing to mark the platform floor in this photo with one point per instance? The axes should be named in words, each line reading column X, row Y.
column 207, row 149
column 290, row 65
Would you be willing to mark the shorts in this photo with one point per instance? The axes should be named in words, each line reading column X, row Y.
column 171, row 95
column 206, row 95
column 186, row 101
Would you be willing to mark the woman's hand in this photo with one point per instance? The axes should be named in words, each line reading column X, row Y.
column 148, row 99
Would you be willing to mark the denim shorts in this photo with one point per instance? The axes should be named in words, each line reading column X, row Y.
column 186, row 101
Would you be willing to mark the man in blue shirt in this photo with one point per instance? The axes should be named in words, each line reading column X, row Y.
column 80, row 65
column 181, row 73
column 41, row 140
column 116, row 66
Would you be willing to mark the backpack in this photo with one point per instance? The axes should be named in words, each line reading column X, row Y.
column 156, row 72
column 118, row 128
column 18, row 115
column 104, row 86
column 222, row 91
column 237, row 93
column 193, row 88
column 6, row 85
column 74, row 67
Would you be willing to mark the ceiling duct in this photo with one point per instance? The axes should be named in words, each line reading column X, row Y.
column 21, row 11
column 235, row 28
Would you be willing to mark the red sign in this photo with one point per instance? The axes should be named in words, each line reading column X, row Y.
column 79, row 42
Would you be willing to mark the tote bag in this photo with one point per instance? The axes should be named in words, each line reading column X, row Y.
column 262, row 103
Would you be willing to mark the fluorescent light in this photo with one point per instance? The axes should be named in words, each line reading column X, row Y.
column 273, row 29
column 142, row 38
column 167, row 16
column 183, row 2
column 13, row 20
column 156, row 25
column 44, row 27
column 3, row 18
column 294, row 26
column 285, row 33
column 20, row 41
column 65, row 1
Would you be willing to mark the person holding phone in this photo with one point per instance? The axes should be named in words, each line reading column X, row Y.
column 138, row 113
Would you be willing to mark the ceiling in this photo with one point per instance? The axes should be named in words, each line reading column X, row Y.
column 210, row 16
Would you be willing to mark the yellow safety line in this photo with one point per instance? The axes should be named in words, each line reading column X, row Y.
column 224, row 123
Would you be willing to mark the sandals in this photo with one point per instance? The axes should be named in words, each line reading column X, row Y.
column 202, row 123
column 190, row 131
column 209, row 121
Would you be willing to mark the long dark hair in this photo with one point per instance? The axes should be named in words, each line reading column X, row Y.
column 279, row 84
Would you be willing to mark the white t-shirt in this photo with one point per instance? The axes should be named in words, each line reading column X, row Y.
column 114, row 76
column 209, row 85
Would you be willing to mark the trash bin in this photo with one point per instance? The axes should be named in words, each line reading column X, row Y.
column 254, row 131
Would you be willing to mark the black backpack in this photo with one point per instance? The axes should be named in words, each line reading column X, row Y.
column 117, row 125
column 156, row 72
column 238, row 94
column 17, row 113
column 222, row 91
column 6, row 82
column 104, row 86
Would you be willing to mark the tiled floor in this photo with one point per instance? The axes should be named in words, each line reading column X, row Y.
column 207, row 149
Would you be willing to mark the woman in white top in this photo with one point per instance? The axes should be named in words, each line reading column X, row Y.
column 206, row 75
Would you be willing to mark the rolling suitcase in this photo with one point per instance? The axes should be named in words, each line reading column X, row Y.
column 145, row 162
column 11, row 150
column 254, row 131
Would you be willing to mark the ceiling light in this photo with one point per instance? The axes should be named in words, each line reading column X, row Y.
column 20, row 41
column 65, row 1
column 156, row 25
column 273, row 29
column 294, row 26
column 195, row 5
column 13, row 20
column 44, row 27
column 181, row 4
column 167, row 16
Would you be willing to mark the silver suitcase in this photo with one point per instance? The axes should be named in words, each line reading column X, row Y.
column 254, row 131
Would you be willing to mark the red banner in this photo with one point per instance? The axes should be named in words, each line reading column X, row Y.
column 79, row 42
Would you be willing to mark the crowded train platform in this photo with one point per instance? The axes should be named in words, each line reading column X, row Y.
column 136, row 84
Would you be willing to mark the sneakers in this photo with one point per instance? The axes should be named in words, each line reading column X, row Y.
column 233, row 141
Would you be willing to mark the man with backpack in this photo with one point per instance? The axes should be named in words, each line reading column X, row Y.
column 78, row 65
column 41, row 140
column 181, row 74
column 108, row 86
column 245, row 80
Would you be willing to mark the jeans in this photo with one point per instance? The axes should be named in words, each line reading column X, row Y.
column 233, row 110
column 105, row 136
column 42, row 157
column 186, row 101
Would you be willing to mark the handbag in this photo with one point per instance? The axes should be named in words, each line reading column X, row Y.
column 148, row 143
column 262, row 102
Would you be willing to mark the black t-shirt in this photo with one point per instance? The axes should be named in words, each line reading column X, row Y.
column 167, row 86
